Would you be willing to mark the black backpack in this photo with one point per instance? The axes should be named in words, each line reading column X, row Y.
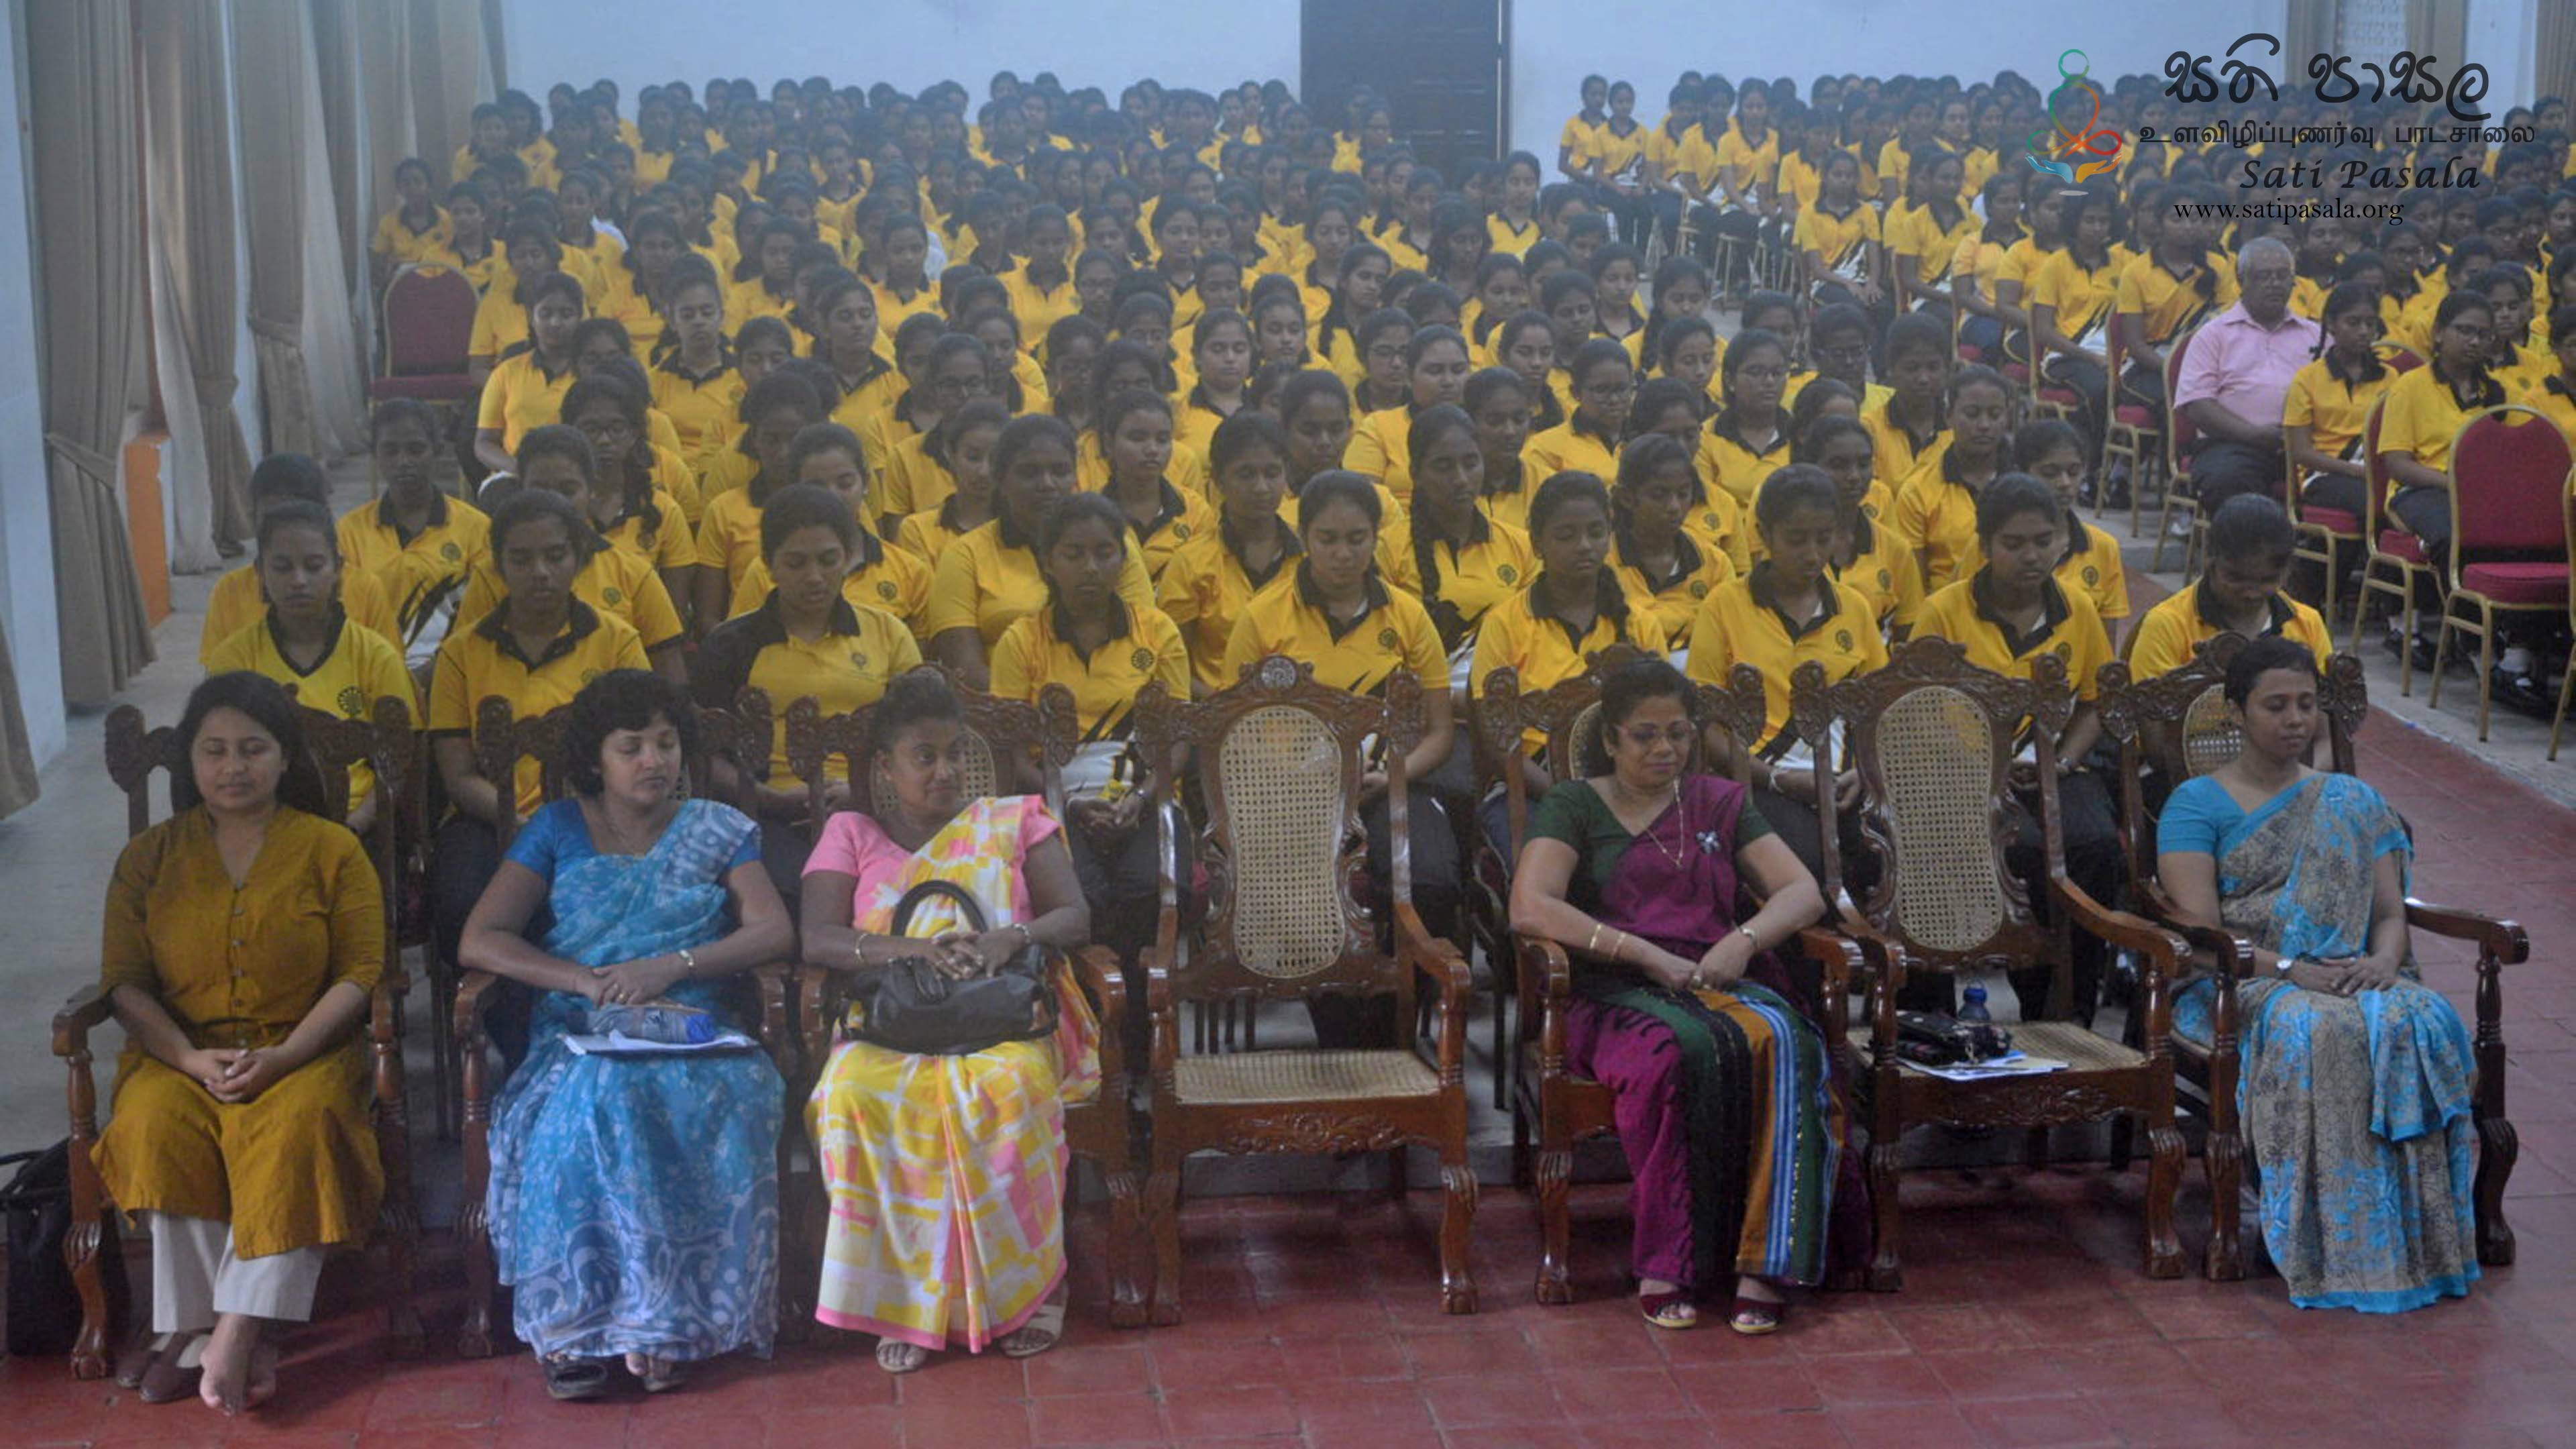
column 42, row 1313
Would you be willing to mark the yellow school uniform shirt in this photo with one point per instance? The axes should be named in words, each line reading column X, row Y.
column 500, row 321
column 1577, row 135
column 420, row 573
column 1182, row 516
column 1895, row 164
column 2531, row 366
column 668, row 544
column 1897, row 452
column 1508, row 239
column 1039, row 308
column 928, row 534
column 894, row 310
column 1468, row 576
column 522, row 393
column 1841, row 240
column 604, row 258
column 2307, row 298
column 619, row 582
column 1741, row 622
column 1205, row 589
column 1883, row 572
column 2555, row 400
column 1615, row 155
column 2068, row 628
column 1569, row 447
column 1288, row 617
column 1381, row 447
column 845, row 668
column 1545, row 651
column 1980, row 260
column 1700, row 567
column 2171, row 633
column 2331, row 408
column 2082, row 295
column 990, row 581
column 1730, row 463
column 394, row 237
column 478, row 663
column 2170, row 304
column 1761, row 162
column 2092, row 568
column 2020, row 262
column 911, row 480
column 237, row 603
column 1915, row 235
column 1800, row 182
column 1682, row 156
column 483, row 271
column 1188, row 470
column 867, row 400
column 1105, row 683
column 1194, row 425
column 706, row 408
column 751, row 298
column 357, row 668
column 1976, row 168
column 1936, row 511
column 2422, row 416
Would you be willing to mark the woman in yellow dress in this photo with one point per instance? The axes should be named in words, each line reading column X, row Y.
column 946, row 1173
column 244, row 936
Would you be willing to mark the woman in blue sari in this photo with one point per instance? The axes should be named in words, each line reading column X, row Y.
column 634, row 1199
column 2356, row 1080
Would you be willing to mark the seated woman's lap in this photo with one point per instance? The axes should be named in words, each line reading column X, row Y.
column 310, row 1130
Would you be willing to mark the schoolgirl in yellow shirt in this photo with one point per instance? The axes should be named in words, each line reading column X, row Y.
column 1436, row 370
column 632, row 502
column 526, row 388
column 415, row 230
column 963, row 445
column 501, row 318
column 1136, row 435
column 2324, row 414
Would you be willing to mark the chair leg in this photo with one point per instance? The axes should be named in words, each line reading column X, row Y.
column 2165, row 1156
column 444, row 1068
column 473, row 1223
column 1503, row 1052
column 2566, row 689
column 2408, row 617
column 1886, row 1274
column 1555, row 1179
column 1163, row 1207
column 2498, row 1145
column 90, row 1245
column 1457, row 1223
column 2486, row 667
column 2224, row 1163
column 1127, row 1288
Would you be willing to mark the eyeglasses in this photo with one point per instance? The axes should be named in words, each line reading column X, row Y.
column 1763, row 374
column 1852, row 353
column 1643, row 737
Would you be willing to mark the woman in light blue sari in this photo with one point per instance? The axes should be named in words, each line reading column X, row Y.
column 2355, row 1088
column 634, row 1199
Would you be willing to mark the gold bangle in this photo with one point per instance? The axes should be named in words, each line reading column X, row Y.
column 688, row 963
column 1592, row 943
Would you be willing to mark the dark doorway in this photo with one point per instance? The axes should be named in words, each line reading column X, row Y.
column 1441, row 64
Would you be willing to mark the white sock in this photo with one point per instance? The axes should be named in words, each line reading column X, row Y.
column 2515, row 663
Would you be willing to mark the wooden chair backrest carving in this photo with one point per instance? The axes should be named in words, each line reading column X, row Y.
column 502, row 740
column 1278, row 762
column 2178, row 725
column 1934, row 738
column 1012, row 746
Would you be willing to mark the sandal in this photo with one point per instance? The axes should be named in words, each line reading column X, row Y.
column 569, row 1379
column 1668, row 1310
column 161, row 1371
column 1753, row 1317
column 657, row 1375
column 897, row 1357
column 1039, row 1334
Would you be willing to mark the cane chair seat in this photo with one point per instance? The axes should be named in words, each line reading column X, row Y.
column 1302, row 1076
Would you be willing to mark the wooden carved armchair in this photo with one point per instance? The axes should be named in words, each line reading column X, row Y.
column 1934, row 738
column 91, row 1249
column 1278, row 760
column 2177, row 726
column 501, row 741
column 1012, row 746
column 1565, row 1108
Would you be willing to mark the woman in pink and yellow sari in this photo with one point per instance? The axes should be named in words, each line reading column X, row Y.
column 946, row 1173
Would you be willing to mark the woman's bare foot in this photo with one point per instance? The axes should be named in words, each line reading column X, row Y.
column 228, row 1369
column 897, row 1357
column 1665, row 1305
column 1042, row 1331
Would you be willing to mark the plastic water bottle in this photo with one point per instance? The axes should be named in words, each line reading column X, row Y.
column 1972, row 1005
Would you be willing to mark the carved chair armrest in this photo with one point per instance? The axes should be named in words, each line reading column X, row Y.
column 1438, row 959
column 773, row 982
column 85, row 1010
column 475, row 993
column 2500, row 942
column 2162, row 948
column 818, row 1009
column 1547, row 984
column 1095, row 969
column 1838, row 958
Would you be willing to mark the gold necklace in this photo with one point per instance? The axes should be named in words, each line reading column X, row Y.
column 1666, row 851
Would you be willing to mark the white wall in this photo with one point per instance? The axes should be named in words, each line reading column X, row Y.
column 26, row 514
column 907, row 43
column 2499, row 34
column 1555, row 43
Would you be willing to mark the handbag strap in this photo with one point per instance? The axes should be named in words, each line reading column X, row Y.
column 912, row 899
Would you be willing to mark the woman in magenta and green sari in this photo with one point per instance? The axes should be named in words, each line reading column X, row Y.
column 1724, row 1089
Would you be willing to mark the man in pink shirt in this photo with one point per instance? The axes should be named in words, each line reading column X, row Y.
column 2235, row 375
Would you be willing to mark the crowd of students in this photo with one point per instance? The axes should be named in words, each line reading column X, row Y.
column 798, row 391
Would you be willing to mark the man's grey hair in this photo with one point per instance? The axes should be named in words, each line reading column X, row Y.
column 2264, row 246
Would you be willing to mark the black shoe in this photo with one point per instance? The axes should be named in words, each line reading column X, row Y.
column 2524, row 695
column 2393, row 641
column 2423, row 650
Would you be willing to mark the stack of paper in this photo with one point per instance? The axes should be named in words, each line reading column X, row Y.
column 618, row 1044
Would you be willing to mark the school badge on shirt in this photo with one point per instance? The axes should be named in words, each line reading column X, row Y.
column 859, row 660
column 1143, row 660
column 1386, row 638
column 353, row 702
column 1843, row 640
column 1508, row 574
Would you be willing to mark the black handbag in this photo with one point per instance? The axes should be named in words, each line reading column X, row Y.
column 910, row 1005
column 1938, row 1039
column 42, row 1313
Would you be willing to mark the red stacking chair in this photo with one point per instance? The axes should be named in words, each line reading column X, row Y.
column 2130, row 432
column 2180, row 436
column 2567, row 685
column 2392, row 549
column 2508, row 486
column 428, row 325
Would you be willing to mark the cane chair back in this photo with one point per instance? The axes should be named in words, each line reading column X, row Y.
column 1934, row 738
column 1011, row 746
